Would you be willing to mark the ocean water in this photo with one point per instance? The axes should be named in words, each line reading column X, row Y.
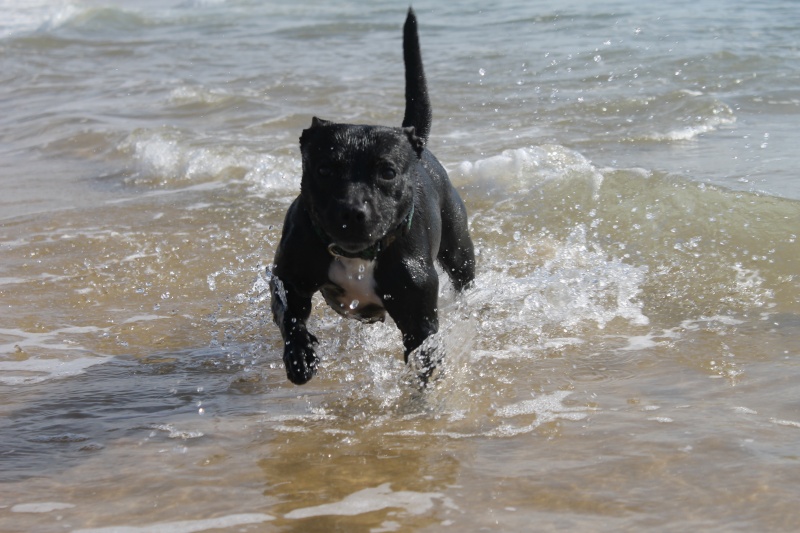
column 628, row 359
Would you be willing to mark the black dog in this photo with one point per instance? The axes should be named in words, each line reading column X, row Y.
column 375, row 210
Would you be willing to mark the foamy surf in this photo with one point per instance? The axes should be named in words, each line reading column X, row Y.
column 186, row 526
column 521, row 169
column 170, row 158
column 21, row 18
column 375, row 499
column 38, row 357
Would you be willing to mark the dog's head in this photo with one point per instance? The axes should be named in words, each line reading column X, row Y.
column 357, row 180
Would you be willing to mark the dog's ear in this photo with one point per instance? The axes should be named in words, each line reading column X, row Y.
column 315, row 123
column 417, row 143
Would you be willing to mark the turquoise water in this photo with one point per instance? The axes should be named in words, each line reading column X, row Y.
column 628, row 358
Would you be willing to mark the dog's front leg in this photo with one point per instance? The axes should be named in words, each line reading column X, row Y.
column 411, row 298
column 290, row 310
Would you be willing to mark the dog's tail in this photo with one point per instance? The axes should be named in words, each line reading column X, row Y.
column 418, row 105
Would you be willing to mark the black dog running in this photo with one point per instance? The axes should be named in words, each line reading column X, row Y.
column 375, row 211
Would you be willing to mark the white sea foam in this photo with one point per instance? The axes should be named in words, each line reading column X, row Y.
column 71, row 359
column 527, row 167
column 688, row 133
column 40, row 507
column 374, row 499
column 708, row 321
column 186, row 526
column 579, row 284
column 37, row 370
column 171, row 155
column 12, row 281
column 32, row 15
column 546, row 407
column 786, row 423
column 514, row 418
column 174, row 433
column 652, row 339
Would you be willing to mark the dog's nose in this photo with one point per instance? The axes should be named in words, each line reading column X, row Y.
column 354, row 214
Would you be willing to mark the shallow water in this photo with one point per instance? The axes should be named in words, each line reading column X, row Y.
column 627, row 360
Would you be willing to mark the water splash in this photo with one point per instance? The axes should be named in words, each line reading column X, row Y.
column 524, row 168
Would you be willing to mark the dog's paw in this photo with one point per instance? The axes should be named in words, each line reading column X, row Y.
column 427, row 360
column 299, row 357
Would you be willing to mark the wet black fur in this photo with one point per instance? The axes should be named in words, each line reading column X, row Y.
column 359, row 184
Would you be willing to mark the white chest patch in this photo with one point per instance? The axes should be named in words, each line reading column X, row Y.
column 352, row 289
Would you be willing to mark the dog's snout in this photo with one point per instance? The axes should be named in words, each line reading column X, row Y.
column 354, row 214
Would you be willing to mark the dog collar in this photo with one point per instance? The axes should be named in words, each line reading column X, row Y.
column 371, row 252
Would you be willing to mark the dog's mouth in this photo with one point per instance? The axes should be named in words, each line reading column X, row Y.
column 358, row 242
column 355, row 246
column 354, row 236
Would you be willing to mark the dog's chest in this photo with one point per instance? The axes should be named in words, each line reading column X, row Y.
column 351, row 291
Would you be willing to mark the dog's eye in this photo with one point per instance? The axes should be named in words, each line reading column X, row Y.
column 388, row 173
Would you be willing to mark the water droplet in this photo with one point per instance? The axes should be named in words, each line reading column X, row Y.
column 482, row 72
column 362, row 267
column 353, row 304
